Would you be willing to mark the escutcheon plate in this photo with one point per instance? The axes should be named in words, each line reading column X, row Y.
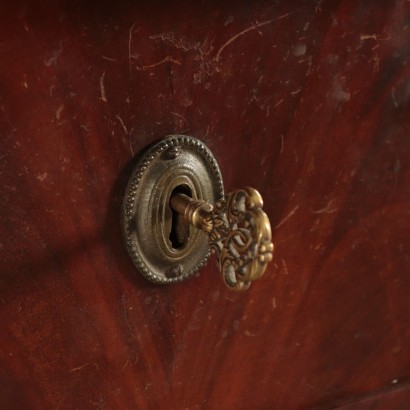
column 176, row 162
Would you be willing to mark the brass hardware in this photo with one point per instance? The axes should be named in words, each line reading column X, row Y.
column 170, row 224
column 238, row 231
column 161, row 249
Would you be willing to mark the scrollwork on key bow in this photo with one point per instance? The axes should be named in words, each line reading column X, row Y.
column 240, row 233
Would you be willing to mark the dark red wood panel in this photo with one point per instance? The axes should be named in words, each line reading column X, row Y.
column 394, row 399
column 309, row 102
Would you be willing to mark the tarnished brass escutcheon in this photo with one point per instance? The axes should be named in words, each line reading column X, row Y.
column 177, row 163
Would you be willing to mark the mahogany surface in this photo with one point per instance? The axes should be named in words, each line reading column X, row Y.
column 309, row 102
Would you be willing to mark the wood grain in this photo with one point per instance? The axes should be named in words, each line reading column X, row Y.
column 308, row 102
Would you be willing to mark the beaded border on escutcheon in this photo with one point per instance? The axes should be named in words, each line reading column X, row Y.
column 130, row 198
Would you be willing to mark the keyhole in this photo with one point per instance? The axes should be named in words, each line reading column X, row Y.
column 179, row 234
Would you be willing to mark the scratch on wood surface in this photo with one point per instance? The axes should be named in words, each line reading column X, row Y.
column 59, row 111
column 182, row 117
column 274, row 305
column 326, row 209
column 54, row 58
column 318, row 6
column 100, row 404
column 285, row 266
column 124, row 307
column 42, row 177
column 167, row 59
column 315, row 225
column 102, row 88
column 236, row 36
column 108, row 58
column 122, row 123
column 376, row 63
column 181, row 43
column 289, row 215
column 278, row 103
column 25, row 25
column 368, row 36
column 126, row 132
column 374, row 37
column 130, row 43
column 247, row 30
column 296, row 91
column 125, row 365
column 79, row 368
column 393, row 96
